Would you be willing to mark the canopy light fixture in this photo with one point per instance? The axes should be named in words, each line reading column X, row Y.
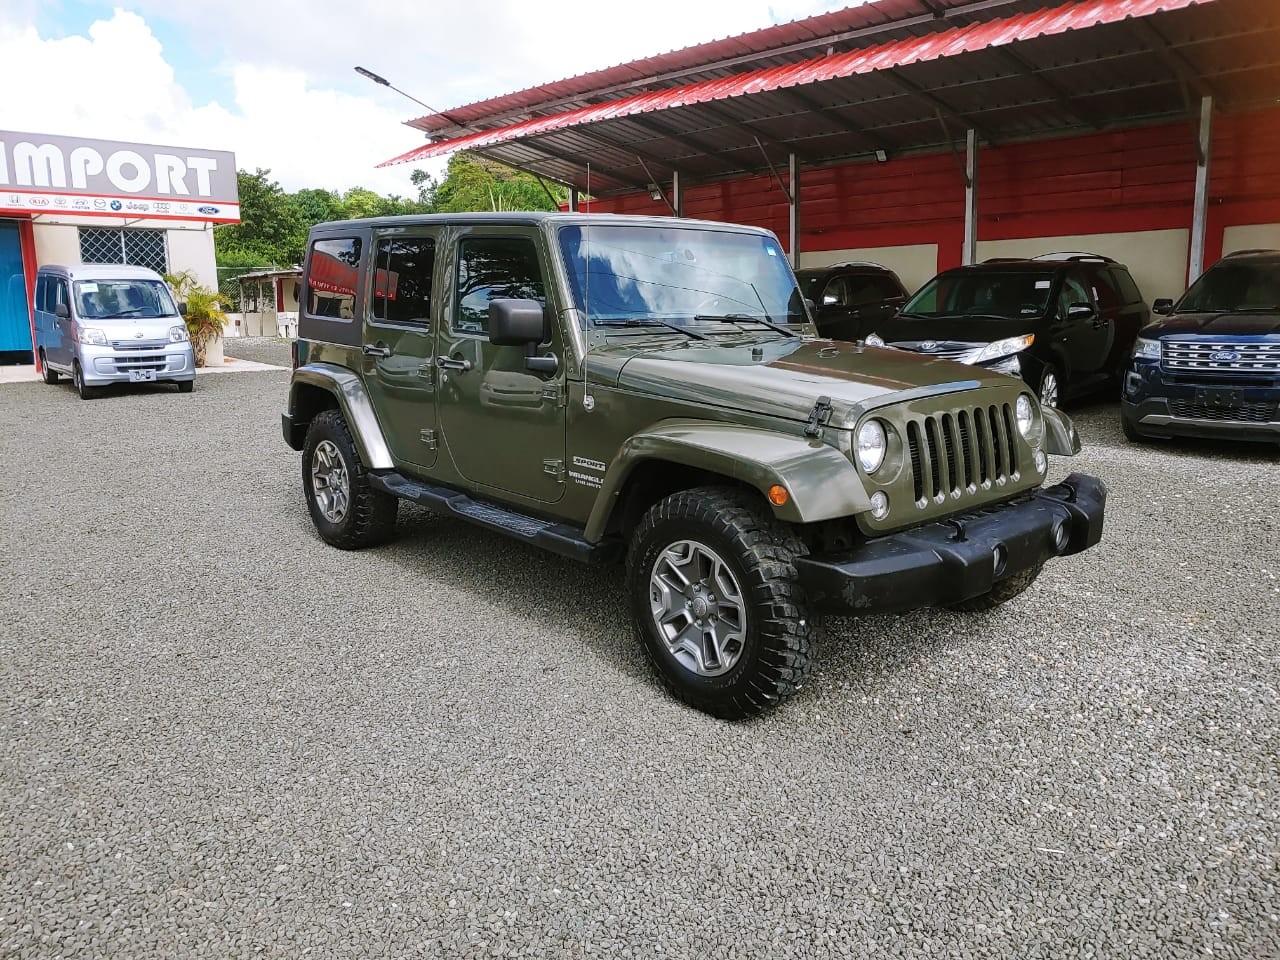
column 655, row 191
column 881, row 156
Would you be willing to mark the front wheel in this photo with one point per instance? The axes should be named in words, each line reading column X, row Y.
column 717, row 601
column 186, row 386
column 1000, row 594
column 1049, row 389
column 347, row 511
column 77, row 379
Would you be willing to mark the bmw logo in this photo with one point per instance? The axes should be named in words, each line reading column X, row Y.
column 1224, row 356
column 928, row 346
column 116, row 204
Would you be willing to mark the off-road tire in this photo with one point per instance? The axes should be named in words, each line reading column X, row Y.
column 371, row 516
column 776, row 658
column 47, row 372
column 186, row 386
column 77, row 379
column 1001, row 593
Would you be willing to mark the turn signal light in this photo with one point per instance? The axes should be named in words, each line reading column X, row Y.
column 778, row 495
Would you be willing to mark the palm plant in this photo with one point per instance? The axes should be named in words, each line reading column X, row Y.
column 206, row 310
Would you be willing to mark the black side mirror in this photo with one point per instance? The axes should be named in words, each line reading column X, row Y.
column 521, row 323
column 182, row 308
column 1162, row 306
column 62, row 312
column 1081, row 312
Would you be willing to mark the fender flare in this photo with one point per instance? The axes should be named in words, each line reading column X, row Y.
column 1060, row 436
column 353, row 400
column 822, row 482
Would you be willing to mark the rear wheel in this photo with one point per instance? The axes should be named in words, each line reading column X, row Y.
column 77, row 378
column 49, row 374
column 347, row 511
column 717, row 601
column 1000, row 594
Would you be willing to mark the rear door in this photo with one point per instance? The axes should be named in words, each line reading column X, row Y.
column 873, row 299
column 399, row 341
column 63, row 335
column 503, row 425
column 1088, row 341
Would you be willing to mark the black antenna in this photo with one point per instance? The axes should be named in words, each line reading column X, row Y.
column 587, row 234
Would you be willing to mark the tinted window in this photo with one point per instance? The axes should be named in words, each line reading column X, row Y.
column 1105, row 290
column 983, row 294
column 1128, row 289
column 40, row 294
column 332, row 270
column 871, row 289
column 402, row 280
column 836, row 294
column 1073, row 292
column 495, row 268
column 1237, row 285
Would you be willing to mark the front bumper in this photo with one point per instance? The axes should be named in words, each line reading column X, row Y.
column 960, row 558
column 1158, row 404
column 109, row 364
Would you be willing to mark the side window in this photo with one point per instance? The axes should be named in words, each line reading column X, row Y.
column 57, row 294
column 1128, row 289
column 835, row 294
column 1073, row 292
column 332, row 269
column 493, row 268
column 402, row 280
column 41, row 284
column 870, row 289
column 885, row 288
column 1105, row 290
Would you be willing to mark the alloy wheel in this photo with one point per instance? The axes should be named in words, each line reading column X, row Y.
column 698, row 608
column 330, row 482
column 1049, row 389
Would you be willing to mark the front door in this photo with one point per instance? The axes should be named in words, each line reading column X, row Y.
column 62, row 335
column 504, row 425
column 399, row 343
column 1089, row 340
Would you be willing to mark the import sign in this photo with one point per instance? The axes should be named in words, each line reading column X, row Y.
column 43, row 175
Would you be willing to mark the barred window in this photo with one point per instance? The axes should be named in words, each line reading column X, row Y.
column 138, row 248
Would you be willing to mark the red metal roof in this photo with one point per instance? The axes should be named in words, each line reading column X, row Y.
column 899, row 53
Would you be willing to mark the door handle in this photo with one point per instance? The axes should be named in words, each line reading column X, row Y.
column 449, row 363
column 370, row 350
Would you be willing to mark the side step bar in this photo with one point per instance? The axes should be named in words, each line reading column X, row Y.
column 559, row 538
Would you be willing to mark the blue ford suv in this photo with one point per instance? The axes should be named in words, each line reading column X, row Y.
column 1210, row 367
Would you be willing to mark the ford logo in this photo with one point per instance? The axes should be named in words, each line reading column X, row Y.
column 1224, row 356
column 208, row 211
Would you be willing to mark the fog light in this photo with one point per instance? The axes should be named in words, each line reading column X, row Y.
column 879, row 505
column 1061, row 535
column 999, row 557
column 1042, row 462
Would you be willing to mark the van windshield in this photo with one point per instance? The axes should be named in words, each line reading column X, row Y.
column 106, row 299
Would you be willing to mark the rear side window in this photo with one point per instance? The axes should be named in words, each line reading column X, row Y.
column 332, row 270
column 1105, row 290
column 835, row 294
column 492, row 268
column 1128, row 289
column 402, row 280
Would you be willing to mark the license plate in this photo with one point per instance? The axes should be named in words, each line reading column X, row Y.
column 1219, row 396
column 142, row 376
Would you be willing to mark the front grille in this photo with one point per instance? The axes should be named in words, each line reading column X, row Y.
column 1240, row 412
column 1193, row 356
column 140, row 361
column 130, row 345
column 962, row 451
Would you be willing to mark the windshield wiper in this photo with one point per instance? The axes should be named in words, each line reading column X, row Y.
column 651, row 323
column 736, row 317
column 116, row 316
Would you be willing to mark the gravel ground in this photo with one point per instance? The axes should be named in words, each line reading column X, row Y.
column 273, row 350
column 219, row 737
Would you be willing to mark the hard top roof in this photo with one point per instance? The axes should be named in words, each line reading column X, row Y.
column 527, row 217
column 100, row 271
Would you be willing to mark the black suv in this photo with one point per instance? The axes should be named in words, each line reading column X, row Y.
column 1064, row 322
column 1210, row 367
column 851, row 299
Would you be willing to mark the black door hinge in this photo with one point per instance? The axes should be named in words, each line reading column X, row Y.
column 818, row 417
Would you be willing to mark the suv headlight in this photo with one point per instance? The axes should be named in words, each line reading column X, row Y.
column 178, row 334
column 93, row 335
column 871, row 446
column 1003, row 348
column 874, row 340
column 1025, row 413
column 1147, row 349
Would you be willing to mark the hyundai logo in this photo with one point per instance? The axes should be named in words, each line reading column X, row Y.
column 1224, row 356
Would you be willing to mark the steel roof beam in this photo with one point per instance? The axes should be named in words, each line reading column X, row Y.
column 1154, row 41
column 1059, row 95
column 941, row 106
column 805, row 102
column 753, row 129
column 573, row 160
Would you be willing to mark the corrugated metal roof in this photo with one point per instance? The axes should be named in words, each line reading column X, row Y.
column 996, row 33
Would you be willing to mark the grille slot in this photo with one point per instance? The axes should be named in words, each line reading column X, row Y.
column 1243, row 412
column 1198, row 356
column 959, row 452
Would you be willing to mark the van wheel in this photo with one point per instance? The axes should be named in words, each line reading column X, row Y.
column 347, row 511
column 186, row 386
column 77, row 379
column 49, row 374
column 718, row 603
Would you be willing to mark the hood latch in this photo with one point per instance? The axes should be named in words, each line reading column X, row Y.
column 818, row 417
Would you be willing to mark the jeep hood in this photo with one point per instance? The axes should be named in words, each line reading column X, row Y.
column 776, row 377
column 1216, row 325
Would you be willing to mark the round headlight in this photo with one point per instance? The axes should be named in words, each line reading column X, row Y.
column 871, row 446
column 1025, row 414
column 874, row 340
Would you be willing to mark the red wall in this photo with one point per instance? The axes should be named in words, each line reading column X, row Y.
column 1142, row 178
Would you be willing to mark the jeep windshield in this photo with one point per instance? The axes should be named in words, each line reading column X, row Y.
column 109, row 299
column 1239, row 287
column 663, row 277
column 982, row 296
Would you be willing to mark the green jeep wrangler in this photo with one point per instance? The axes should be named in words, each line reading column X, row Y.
column 653, row 391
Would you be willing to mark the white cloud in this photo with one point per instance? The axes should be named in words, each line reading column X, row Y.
column 298, row 108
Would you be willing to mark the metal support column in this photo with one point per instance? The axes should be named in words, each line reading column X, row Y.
column 970, row 252
column 677, row 193
column 793, row 184
column 573, row 199
column 1200, row 207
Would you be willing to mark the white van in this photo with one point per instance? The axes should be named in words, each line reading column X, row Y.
column 101, row 324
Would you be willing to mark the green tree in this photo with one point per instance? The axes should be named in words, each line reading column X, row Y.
column 267, row 231
column 472, row 182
